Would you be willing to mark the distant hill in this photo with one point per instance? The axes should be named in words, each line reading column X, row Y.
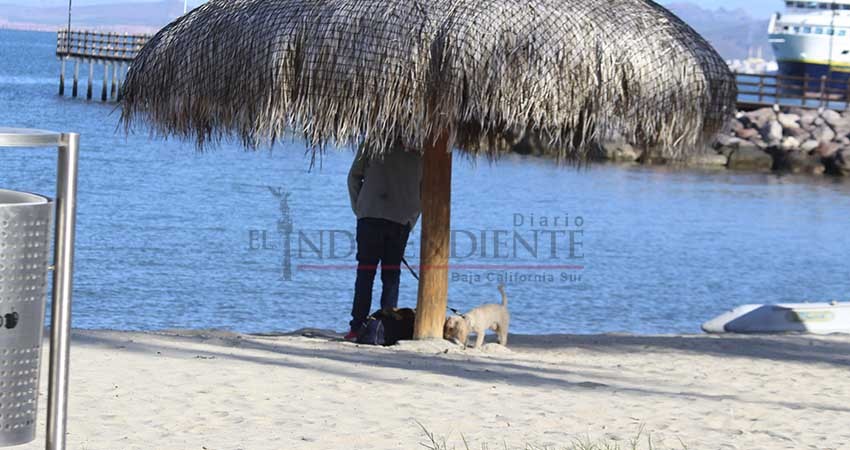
column 731, row 31
column 64, row 3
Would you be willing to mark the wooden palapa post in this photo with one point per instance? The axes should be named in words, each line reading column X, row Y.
column 434, row 254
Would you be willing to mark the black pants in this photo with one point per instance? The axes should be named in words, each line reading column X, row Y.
column 378, row 240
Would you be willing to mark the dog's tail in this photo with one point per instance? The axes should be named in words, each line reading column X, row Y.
column 504, row 296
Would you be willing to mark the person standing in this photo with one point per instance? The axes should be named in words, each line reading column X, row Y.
column 385, row 198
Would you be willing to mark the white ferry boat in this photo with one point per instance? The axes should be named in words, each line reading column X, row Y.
column 812, row 38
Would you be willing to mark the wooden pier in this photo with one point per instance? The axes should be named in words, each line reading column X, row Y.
column 765, row 90
column 112, row 51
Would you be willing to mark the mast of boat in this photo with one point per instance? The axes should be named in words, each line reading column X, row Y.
column 67, row 41
column 185, row 7
column 834, row 8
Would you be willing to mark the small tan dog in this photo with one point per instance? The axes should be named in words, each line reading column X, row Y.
column 478, row 320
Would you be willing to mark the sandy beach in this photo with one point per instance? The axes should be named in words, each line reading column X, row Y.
column 216, row 390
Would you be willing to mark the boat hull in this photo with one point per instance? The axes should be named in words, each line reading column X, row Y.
column 812, row 57
column 812, row 70
column 816, row 318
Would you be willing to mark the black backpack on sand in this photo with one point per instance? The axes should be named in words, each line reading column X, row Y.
column 387, row 328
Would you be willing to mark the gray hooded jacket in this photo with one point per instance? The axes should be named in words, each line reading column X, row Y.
column 386, row 188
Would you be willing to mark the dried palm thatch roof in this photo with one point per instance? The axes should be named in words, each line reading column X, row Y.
column 489, row 71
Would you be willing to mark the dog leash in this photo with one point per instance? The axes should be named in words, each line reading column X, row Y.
column 412, row 272
column 409, row 268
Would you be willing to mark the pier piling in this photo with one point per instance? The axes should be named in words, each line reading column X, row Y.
column 103, row 92
column 114, row 76
column 121, row 72
column 62, row 78
column 91, row 80
column 76, row 78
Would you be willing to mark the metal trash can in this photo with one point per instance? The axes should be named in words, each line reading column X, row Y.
column 25, row 237
column 25, row 222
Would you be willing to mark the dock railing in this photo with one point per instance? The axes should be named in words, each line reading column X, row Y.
column 102, row 46
column 761, row 90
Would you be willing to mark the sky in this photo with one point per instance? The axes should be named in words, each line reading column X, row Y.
column 86, row 2
column 756, row 8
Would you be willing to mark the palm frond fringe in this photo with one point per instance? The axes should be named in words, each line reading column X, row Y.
column 384, row 71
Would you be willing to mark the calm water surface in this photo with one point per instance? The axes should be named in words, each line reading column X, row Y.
column 171, row 238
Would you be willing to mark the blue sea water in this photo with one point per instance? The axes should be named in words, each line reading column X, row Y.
column 172, row 238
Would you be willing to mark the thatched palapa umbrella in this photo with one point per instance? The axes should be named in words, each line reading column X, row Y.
column 473, row 75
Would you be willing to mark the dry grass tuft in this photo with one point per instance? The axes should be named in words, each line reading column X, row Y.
column 642, row 441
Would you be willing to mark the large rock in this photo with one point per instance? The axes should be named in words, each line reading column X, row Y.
column 839, row 163
column 801, row 134
column 529, row 145
column 747, row 133
column 807, row 117
column 833, row 118
column 844, row 161
column 771, row 132
column 841, row 131
column 760, row 117
column 809, row 145
column 651, row 160
column 735, row 125
column 708, row 160
column 724, row 140
column 744, row 120
column 790, row 143
column 827, row 149
column 750, row 159
column 823, row 134
column 628, row 154
column 749, row 145
column 726, row 151
column 797, row 162
column 788, row 120
column 618, row 151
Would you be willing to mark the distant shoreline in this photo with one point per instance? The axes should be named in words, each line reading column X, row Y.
column 28, row 27
column 43, row 28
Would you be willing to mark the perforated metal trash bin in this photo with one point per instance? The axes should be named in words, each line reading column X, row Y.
column 25, row 221
column 25, row 225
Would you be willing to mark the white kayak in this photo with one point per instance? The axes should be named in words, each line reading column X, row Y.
column 817, row 318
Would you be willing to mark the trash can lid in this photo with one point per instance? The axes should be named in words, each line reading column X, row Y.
column 23, row 137
column 16, row 198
